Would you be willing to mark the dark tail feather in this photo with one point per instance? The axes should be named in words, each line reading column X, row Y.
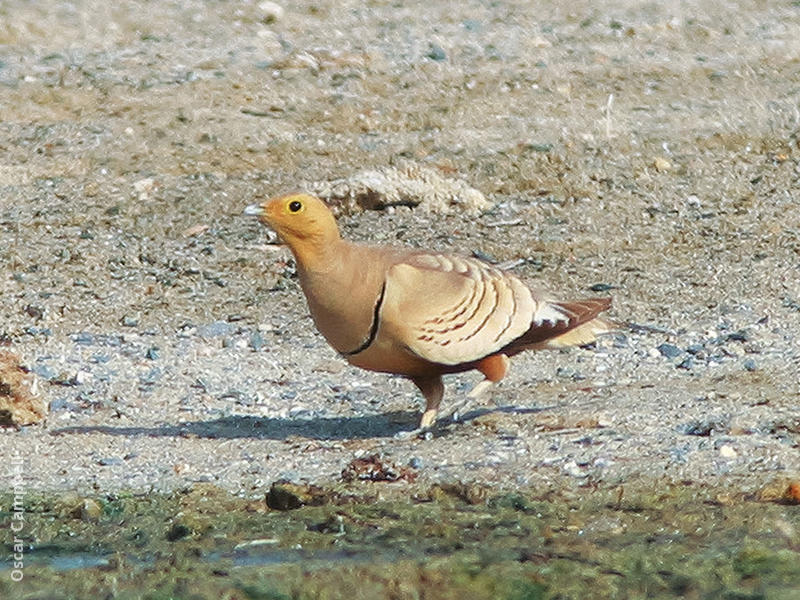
column 581, row 326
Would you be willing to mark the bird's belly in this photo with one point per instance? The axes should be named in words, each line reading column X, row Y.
column 388, row 358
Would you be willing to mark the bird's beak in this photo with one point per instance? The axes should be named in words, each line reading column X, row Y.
column 254, row 210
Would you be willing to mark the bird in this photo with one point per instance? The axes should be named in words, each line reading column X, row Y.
column 421, row 314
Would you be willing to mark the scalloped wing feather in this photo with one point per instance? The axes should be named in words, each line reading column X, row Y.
column 453, row 310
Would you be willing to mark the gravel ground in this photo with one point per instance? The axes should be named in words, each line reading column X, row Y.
column 647, row 151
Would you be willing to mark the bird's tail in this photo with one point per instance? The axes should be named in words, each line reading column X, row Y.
column 583, row 334
column 582, row 326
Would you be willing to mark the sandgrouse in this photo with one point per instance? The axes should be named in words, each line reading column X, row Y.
column 420, row 314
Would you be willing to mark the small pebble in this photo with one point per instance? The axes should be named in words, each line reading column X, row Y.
column 144, row 187
column 82, row 377
column 88, row 510
column 669, row 350
column 177, row 531
column 59, row 404
column 128, row 321
column 436, row 52
column 257, row 341
column 662, row 164
column 679, row 455
column 152, row 353
column 109, row 461
column 743, row 335
column 35, row 312
column 83, row 338
column 571, row 468
column 150, row 377
column 703, row 428
column 726, row 451
column 270, row 11
column 44, row 372
column 695, row 349
column 34, row 331
column 749, row 364
column 215, row 329
column 602, row 287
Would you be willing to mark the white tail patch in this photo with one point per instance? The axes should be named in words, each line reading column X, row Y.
column 580, row 335
column 549, row 313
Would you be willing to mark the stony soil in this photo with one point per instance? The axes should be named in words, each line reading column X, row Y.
column 645, row 150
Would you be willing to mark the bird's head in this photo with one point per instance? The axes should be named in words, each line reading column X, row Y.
column 301, row 220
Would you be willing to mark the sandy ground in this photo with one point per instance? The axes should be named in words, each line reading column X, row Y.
column 649, row 150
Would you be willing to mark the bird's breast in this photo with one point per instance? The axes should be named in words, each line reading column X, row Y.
column 344, row 299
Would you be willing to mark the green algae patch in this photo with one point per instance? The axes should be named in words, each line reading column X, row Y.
column 406, row 541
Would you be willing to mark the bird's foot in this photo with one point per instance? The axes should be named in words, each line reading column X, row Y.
column 428, row 418
column 480, row 388
column 424, row 430
column 456, row 411
column 423, row 433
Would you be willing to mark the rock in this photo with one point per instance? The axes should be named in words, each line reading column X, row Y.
column 84, row 338
column 471, row 493
column 602, row 287
column 662, row 164
column 256, row 341
column 703, row 427
column 82, row 377
column 88, row 510
column 109, row 461
column 727, row 451
column 696, row 349
column 743, row 335
column 406, row 185
column 572, row 469
column 285, row 495
column 436, row 52
column 679, row 455
column 270, row 12
column 177, row 531
column 334, row 524
column 669, row 350
column 215, row 329
column 35, row 312
column 749, row 364
column 129, row 321
column 44, row 371
column 20, row 403
column 144, row 187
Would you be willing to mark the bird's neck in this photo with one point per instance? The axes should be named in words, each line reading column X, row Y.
column 317, row 253
column 342, row 284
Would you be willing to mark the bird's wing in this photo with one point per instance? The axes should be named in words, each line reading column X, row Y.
column 452, row 310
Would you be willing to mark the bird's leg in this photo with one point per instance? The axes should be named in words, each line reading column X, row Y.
column 480, row 388
column 494, row 368
column 432, row 389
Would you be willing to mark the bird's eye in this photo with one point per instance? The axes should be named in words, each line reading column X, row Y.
column 295, row 206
